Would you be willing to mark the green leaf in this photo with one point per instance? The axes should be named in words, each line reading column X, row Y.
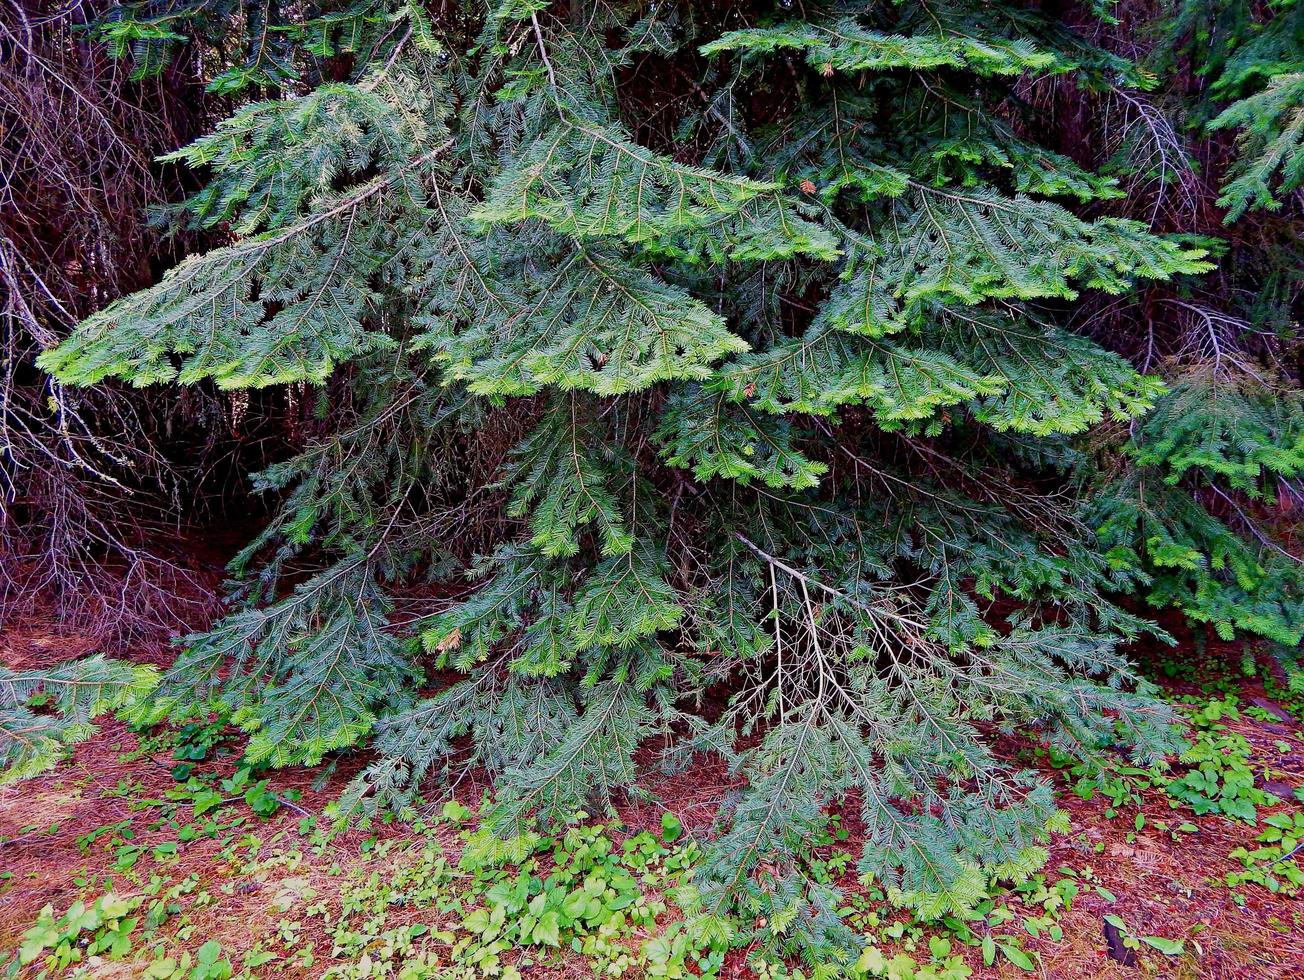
column 671, row 828
column 1018, row 957
column 547, row 930
column 1169, row 947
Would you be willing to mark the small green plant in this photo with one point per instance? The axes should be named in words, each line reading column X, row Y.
column 1212, row 774
column 1169, row 947
column 591, row 899
column 103, row 928
column 190, row 743
column 507, row 906
column 207, row 963
column 1273, row 864
column 1219, row 777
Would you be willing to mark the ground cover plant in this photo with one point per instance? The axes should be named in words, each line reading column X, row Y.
column 166, row 853
column 824, row 392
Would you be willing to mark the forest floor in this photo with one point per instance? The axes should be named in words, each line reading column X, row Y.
column 159, row 855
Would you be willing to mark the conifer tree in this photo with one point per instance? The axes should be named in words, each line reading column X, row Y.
column 43, row 711
column 1192, row 498
column 693, row 350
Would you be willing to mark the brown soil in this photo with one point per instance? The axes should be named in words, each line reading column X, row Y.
column 1163, row 887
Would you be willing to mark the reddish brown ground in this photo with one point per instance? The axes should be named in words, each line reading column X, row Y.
column 1166, row 887
column 1163, row 887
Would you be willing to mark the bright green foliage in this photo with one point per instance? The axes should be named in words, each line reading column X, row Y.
column 1238, row 430
column 588, row 181
column 256, row 40
column 1215, row 773
column 775, row 408
column 846, row 46
column 42, row 711
column 289, row 303
column 1222, row 445
column 1212, row 476
column 1197, row 563
column 1256, row 71
column 1272, row 864
column 942, row 247
column 721, row 437
column 328, row 647
column 1015, row 373
column 1273, row 144
column 311, row 143
column 561, row 483
column 597, row 323
column 1219, row 773
column 102, row 930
